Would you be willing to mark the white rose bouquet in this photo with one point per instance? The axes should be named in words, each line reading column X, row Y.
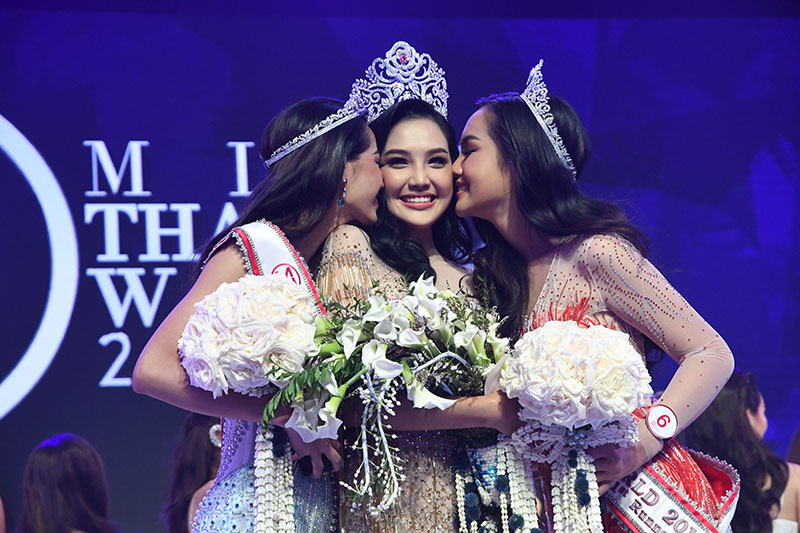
column 248, row 336
column 245, row 333
column 578, row 388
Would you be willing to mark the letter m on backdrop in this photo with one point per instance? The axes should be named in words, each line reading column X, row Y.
column 101, row 161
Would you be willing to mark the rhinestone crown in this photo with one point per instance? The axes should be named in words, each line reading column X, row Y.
column 351, row 109
column 535, row 95
column 403, row 74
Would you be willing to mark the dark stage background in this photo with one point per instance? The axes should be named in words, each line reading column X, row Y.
column 126, row 140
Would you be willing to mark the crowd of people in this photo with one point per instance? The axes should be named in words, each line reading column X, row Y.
column 374, row 192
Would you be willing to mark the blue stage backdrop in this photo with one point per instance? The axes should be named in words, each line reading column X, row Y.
column 128, row 139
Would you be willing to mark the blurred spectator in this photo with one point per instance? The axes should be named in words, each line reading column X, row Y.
column 732, row 429
column 793, row 455
column 65, row 489
column 194, row 467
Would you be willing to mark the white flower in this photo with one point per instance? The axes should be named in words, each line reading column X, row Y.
column 405, row 309
column 425, row 399
column 570, row 376
column 409, row 338
column 378, row 310
column 330, row 385
column 313, row 419
column 243, row 332
column 428, row 312
column 373, row 355
column 349, row 336
column 423, row 288
column 385, row 330
column 445, row 334
column 492, row 380
column 499, row 344
column 400, row 321
column 472, row 340
column 205, row 375
column 243, row 373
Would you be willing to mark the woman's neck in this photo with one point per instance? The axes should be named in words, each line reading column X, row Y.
column 308, row 244
column 425, row 237
column 529, row 242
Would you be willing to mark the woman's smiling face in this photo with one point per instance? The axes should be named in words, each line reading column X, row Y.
column 417, row 172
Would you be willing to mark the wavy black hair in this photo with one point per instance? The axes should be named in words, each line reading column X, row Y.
column 299, row 188
column 546, row 194
column 389, row 237
column 65, row 488
column 724, row 431
column 194, row 462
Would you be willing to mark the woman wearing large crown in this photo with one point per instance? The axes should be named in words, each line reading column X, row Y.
column 417, row 233
column 323, row 172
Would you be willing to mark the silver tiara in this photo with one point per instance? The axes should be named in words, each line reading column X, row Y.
column 351, row 109
column 535, row 95
column 402, row 75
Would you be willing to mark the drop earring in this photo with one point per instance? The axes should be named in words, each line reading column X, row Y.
column 344, row 191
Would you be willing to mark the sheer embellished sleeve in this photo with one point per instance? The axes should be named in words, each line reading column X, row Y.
column 344, row 272
column 636, row 292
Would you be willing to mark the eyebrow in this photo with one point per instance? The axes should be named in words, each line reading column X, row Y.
column 470, row 138
column 398, row 151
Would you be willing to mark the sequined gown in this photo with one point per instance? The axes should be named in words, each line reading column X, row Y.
column 347, row 269
column 229, row 504
column 603, row 279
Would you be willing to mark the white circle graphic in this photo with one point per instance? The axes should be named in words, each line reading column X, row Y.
column 64, row 268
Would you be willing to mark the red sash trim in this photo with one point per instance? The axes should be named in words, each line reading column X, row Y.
column 245, row 240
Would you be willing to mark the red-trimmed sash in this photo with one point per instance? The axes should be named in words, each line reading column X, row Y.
column 653, row 501
column 266, row 250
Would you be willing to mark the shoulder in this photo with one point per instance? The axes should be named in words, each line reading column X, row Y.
column 244, row 235
column 257, row 242
column 603, row 249
column 350, row 232
column 791, row 494
column 793, row 482
column 347, row 238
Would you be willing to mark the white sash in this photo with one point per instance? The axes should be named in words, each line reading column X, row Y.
column 265, row 250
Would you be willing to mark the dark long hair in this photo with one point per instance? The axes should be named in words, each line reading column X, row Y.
column 546, row 194
column 724, row 431
column 301, row 186
column 64, row 488
column 389, row 237
column 194, row 463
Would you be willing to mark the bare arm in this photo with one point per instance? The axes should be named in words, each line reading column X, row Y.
column 158, row 372
column 493, row 410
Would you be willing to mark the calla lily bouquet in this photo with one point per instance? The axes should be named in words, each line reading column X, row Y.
column 434, row 345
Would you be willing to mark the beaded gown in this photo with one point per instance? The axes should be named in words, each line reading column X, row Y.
column 229, row 504
column 347, row 269
column 603, row 279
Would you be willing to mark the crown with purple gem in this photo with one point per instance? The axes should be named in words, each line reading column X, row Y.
column 402, row 75
column 535, row 95
column 351, row 109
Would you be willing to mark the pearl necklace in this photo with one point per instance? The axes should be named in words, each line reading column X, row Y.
column 274, row 486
